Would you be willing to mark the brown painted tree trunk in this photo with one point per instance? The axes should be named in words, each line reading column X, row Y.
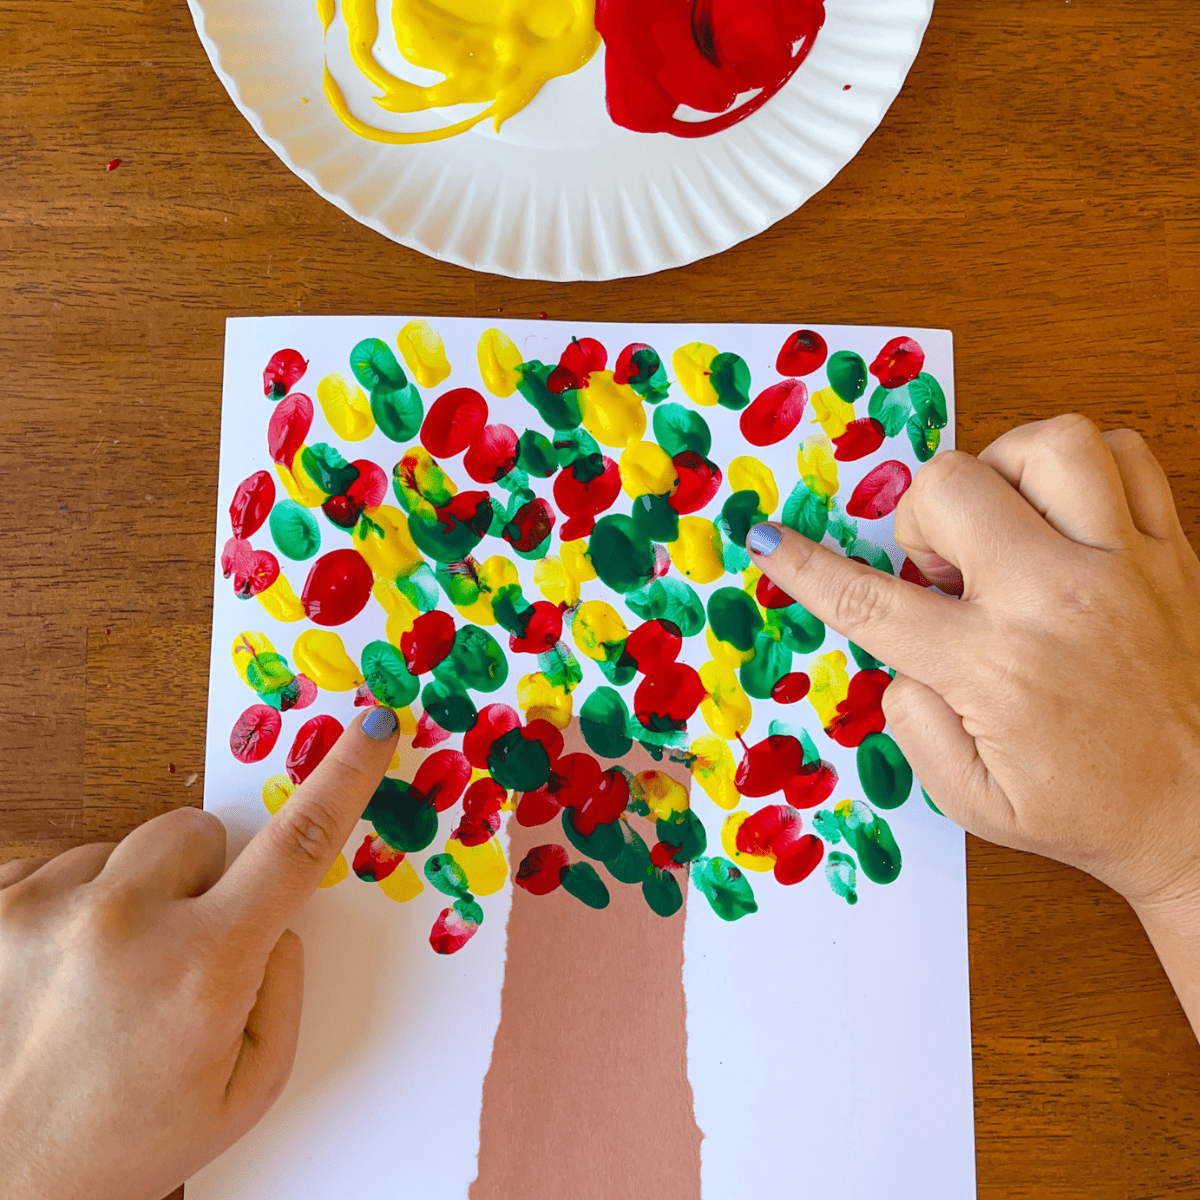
column 587, row 1096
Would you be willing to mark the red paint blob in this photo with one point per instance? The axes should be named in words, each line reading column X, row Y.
column 899, row 362
column 771, row 830
column 582, row 502
column 543, row 629
column 370, row 488
column 288, row 427
column 667, row 698
column 660, row 54
column 770, row 595
column 441, row 778
column 492, row 455
column 255, row 733
column 769, row 765
column 314, row 739
column 910, row 572
column 284, row 370
column 537, row 808
column 530, row 526
column 775, row 412
column 375, row 859
column 481, row 813
column 861, row 712
column 799, row 860
column 541, row 869
column 803, row 353
column 253, row 570
column 451, row 931
column 699, row 482
column 581, row 357
column 879, row 491
column 811, row 785
column 607, row 802
column 493, row 721
column 862, row 437
column 113, row 164
column 653, row 645
column 429, row 641
column 337, row 588
column 453, row 422
column 791, row 688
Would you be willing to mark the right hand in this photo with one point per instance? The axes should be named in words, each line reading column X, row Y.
column 1056, row 706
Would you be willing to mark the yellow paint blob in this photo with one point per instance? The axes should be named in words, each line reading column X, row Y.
column 251, row 648
column 696, row 553
column 595, row 626
column 647, row 470
column 714, row 770
column 541, row 700
column 320, row 655
column 493, row 52
column 748, row 862
column 830, row 684
column 726, row 709
column 424, row 353
column 554, row 582
column 662, row 794
column 818, row 467
column 613, row 413
column 724, row 652
column 484, row 866
column 346, row 407
column 275, row 791
column 402, row 613
column 747, row 474
column 299, row 484
column 691, row 365
column 831, row 412
column 425, row 486
column 385, row 542
column 402, row 884
column 578, row 562
column 336, row 873
column 281, row 602
column 498, row 361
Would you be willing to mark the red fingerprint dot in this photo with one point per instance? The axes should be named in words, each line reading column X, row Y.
column 879, row 491
column 314, row 739
column 803, row 353
column 541, row 869
column 774, row 413
column 255, row 733
column 453, row 422
column 251, row 504
column 337, row 588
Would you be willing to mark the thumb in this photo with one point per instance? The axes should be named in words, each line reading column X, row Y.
column 269, row 1039
column 945, row 759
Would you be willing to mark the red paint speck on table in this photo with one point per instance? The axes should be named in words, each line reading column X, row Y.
column 113, row 164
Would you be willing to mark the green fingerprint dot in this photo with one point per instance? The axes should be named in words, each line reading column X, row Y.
column 294, row 530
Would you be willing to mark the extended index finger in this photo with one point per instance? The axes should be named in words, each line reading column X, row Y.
column 922, row 634
column 286, row 860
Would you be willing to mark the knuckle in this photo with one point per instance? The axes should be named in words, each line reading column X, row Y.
column 860, row 602
column 189, row 823
column 1066, row 434
column 307, row 831
column 939, row 474
column 897, row 697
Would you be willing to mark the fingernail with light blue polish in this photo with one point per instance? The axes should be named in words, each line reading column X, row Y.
column 380, row 723
column 764, row 539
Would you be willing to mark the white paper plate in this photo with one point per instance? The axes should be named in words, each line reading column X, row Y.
column 561, row 192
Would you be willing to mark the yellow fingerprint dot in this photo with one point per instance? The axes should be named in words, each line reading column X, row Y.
column 336, row 873
column 402, row 884
column 484, row 866
column 691, row 364
column 498, row 361
column 424, row 353
column 696, row 552
column 320, row 655
column 748, row 862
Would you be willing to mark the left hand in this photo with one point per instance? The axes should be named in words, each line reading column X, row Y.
column 150, row 999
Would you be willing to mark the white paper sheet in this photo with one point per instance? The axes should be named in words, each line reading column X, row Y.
column 869, row 1093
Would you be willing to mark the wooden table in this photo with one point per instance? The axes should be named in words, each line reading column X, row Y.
column 1034, row 188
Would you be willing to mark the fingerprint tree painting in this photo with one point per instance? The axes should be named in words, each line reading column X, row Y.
column 560, row 563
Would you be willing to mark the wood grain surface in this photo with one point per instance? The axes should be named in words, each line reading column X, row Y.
column 1034, row 188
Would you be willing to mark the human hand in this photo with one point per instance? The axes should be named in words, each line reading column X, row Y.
column 1056, row 706
column 150, row 999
